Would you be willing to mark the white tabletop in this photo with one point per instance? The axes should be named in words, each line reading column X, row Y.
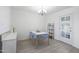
column 39, row 33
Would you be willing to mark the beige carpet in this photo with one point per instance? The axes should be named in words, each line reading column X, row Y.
column 55, row 46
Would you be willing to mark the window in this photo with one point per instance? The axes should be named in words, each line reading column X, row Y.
column 65, row 26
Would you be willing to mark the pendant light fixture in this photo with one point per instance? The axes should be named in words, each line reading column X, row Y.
column 42, row 11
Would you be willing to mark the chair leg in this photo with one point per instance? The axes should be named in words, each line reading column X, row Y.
column 37, row 43
column 48, row 41
column 33, row 42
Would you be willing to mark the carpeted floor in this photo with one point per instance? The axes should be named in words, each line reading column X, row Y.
column 55, row 46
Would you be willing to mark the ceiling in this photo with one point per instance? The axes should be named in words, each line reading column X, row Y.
column 49, row 9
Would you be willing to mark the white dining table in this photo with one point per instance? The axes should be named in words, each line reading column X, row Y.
column 36, row 36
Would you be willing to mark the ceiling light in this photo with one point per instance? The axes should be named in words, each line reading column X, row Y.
column 42, row 11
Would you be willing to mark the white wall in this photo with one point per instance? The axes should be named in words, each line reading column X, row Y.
column 54, row 18
column 76, row 28
column 25, row 21
column 4, row 19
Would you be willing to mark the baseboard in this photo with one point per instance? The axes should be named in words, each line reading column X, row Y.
column 76, row 46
